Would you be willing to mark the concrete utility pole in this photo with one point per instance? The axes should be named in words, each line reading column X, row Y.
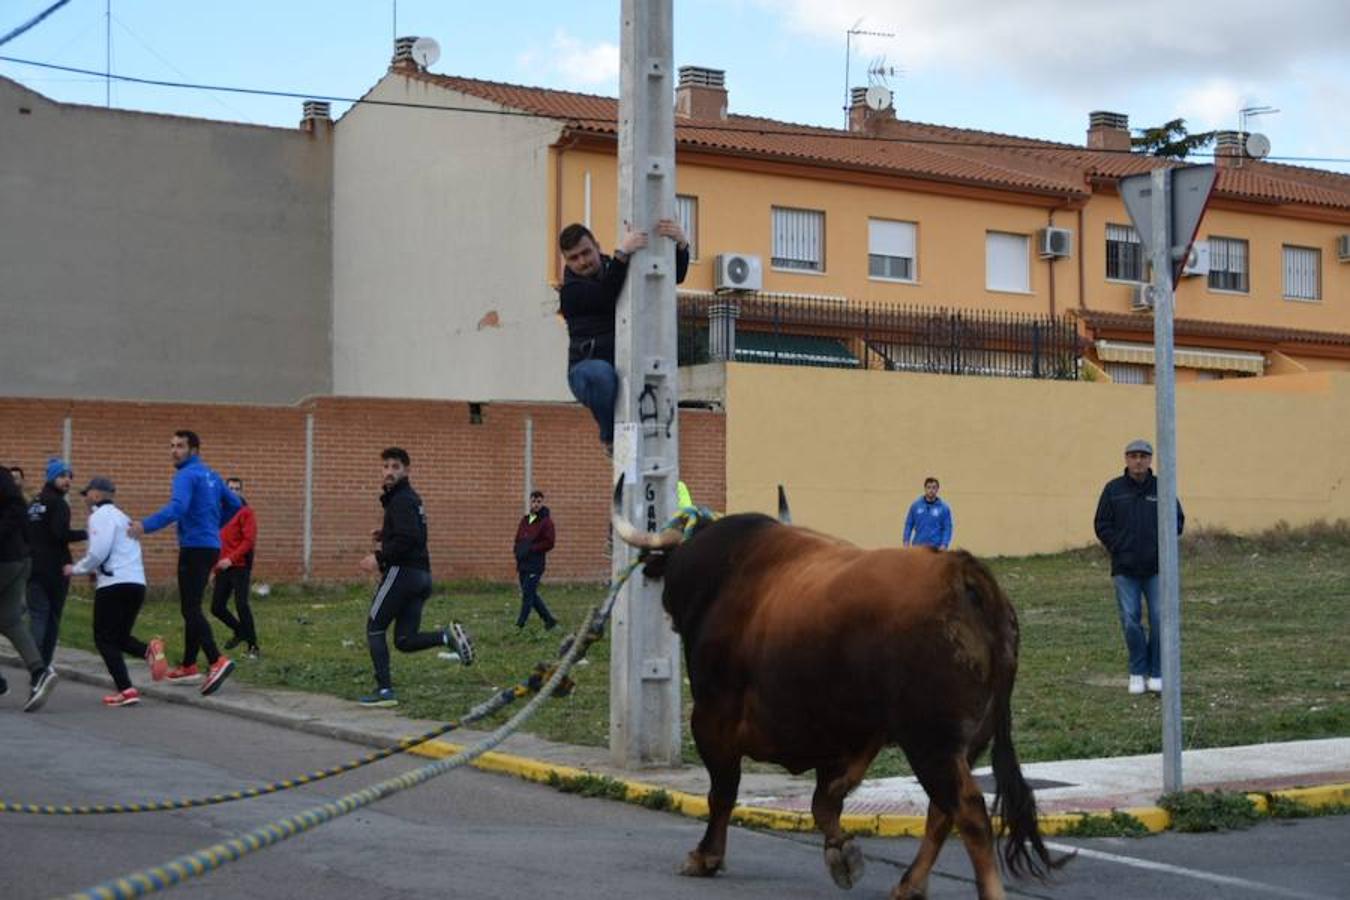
column 1165, row 390
column 644, row 706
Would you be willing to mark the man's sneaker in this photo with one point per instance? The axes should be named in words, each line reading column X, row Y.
column 253, row 652
column 1155, row 685
column 455, row 636
column 220, row 670
column 154, row 655
column 382, row 697
column 43, row 683
column 129, row 697
column 233, row 642
column 1136, row 684
column 183, row 675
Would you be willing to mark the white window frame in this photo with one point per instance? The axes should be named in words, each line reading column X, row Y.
column 892, row 245
column 686, row 213
column 798, row 240
column 1003, row 248
column 1229, row 256
column 1127, row 236
column 1302, row 274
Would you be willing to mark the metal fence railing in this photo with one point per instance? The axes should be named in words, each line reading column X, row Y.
column 835, row 332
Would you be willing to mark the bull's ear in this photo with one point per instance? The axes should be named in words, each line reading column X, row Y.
column 654, row 563
column 784, row 514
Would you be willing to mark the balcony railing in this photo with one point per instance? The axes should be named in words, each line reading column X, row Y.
column 838, row 333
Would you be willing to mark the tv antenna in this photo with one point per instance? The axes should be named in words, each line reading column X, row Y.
column 848, row 59
column 1256, row 146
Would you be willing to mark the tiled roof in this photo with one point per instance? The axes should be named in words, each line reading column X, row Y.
column 913, row 149
column 1197, row 328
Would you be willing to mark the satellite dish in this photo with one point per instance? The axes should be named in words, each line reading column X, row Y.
column 877, row 97
column 1258, row 146
column 425, row 51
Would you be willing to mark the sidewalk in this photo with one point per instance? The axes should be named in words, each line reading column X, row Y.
column 1317, row 772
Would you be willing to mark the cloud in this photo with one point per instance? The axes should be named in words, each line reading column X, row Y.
column 1212, row 104
column 1093, row 44
column 580, row 64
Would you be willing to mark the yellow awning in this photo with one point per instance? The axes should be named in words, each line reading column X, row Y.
column 1184, row 357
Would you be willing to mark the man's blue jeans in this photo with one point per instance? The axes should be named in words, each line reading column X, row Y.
column 595, row 383
column 1144, row 650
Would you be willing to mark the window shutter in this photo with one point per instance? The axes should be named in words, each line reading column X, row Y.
column 1006, row 262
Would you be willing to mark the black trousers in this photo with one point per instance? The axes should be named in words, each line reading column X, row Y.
column 46, row 602
column 194, row 571
column 235, row 580
column 399, row 600
column 530, row 600
column 115, row 609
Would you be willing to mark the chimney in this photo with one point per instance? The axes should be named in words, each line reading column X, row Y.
column 1230, row 147
column 1108, row 131
column 702, row 93
column 317, row 115
column 862, row 119
column 403, row 58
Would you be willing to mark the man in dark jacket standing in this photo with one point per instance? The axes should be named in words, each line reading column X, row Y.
column 590, row 292
column 1127, row 525
column 49, row 540
column 534, row 538
column 399, row 553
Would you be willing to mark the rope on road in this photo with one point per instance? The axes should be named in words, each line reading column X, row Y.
column 191, row 865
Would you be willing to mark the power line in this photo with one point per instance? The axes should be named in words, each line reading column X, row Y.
column 801, row 132
column 33, row 21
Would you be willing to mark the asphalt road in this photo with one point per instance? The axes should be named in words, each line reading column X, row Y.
column 469, row 834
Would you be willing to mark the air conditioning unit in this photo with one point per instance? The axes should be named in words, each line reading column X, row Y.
column 738, row 272
column 1054, row 243
column 1141, row 300
column 1197, row 261
column 1343, row 248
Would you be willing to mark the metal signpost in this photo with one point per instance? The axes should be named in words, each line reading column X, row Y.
column 644, row 706
column 1166, row 206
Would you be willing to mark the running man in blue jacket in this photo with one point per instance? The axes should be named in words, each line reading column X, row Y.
column 929, row 523
column 199, row 503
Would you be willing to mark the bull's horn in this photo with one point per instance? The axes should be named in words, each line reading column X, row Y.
column 784, row 514
column 643, row 540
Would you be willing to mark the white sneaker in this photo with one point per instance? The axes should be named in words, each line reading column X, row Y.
column 1155, row 685
column 1136, row 684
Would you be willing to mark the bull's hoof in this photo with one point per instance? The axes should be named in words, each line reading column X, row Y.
column 906, row 892
column 845, row 863
column 698, row 865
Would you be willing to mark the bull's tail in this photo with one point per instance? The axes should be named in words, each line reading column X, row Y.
column 1024, row 851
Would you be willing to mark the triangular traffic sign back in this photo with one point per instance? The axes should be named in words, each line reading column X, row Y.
column 1191, row 187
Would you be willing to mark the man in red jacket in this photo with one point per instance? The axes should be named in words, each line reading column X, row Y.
column 233, row 571
column 534, row 538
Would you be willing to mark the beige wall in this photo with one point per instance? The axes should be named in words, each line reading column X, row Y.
column 1022, row 462
column 160, row 257
column 436, row 221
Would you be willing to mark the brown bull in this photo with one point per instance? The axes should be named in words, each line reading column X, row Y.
column 805, row 651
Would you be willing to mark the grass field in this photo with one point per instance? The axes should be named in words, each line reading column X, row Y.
column 1265, row 623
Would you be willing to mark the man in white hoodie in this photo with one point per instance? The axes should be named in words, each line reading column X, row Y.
column 114, row 558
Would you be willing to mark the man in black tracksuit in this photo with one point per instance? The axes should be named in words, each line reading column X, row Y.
column 400, row 554
column 49, row 539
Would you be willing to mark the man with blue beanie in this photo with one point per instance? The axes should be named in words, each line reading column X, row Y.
column 929, row 522
column 49, row 540
column 199, row 503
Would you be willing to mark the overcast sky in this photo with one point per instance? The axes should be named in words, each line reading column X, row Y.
column 1026, row 67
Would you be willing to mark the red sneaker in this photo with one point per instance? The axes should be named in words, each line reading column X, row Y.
column 129, row 697
column 183, row 675
column 154, row 655
column 220, row 670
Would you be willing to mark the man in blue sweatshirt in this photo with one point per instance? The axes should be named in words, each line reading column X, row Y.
column 929, row 523
column 199, row 503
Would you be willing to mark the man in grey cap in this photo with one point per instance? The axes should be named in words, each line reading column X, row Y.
column 1127, row 525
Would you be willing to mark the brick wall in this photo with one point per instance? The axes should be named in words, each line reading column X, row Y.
column 470, row 476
